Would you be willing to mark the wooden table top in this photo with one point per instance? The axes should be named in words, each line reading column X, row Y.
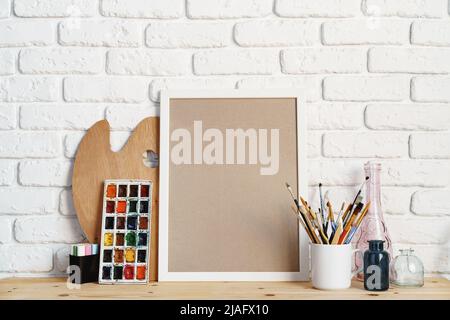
column 56, row 288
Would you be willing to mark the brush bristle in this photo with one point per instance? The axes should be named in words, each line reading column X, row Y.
column 320, row 184
column 287, row 185
column 367, row 178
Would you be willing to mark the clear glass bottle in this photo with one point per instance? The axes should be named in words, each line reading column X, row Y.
column 373, row 226
column 407, row 270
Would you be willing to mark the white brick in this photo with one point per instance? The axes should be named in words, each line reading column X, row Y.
column 45, row 173
column 318, row 8
column 362, row 88
column 71, row 143
column 394, row 201
column 5, row 230
column 226, row 62
column 188, row 35
column 435, row 258
column 314, row 145
column 7, row 62
column 431, row 202
column 415, row 173
column 225, row 9
column 38, row 117
column 431, row 89
column 19, row 258
column 408, row 117
column 188, row 84
column 7, row 172
column 148, row 62
column 105, row 89
column 62, row 259
column 323, row 60
column 310, row 87
column 267, row 33
column 29, row 89
column 19, row 33
column 143, row 8
column 29, row 144
column 335, row 116
column 430, row 146
column 5, row 8
column 365, row 31
column 335, row 172
column 405, row 8
column 66, row 203
column 47, row 230
column 431, row 33
column 61, row 61
column 55, row 8
column 365, row 145
column 27, row 201
column 109, row 33
column 418, row 230
column 7, row 117
column 127, row 118
column 409, row 60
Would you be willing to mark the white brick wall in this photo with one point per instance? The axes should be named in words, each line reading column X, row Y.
column 375, row 75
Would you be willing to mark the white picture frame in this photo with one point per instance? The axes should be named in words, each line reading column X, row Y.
column 163, row 261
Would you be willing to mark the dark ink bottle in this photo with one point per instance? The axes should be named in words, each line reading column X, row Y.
column 376, row 267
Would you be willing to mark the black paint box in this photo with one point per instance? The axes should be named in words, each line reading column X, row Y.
column 84, row 269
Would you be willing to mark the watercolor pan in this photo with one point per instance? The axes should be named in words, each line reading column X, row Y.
column 125, row 247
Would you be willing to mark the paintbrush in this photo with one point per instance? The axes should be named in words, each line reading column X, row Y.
column 335, row 237
column 297, row 204
column 339, row 218
column 292, row 195
column 331, row 216
column 319, row 226
column 346, row 212
column 321, row 206
column 358, row 201
column 359, row 191
column 354, row 203
column 305, row 204
column 340, row 211
column 309, row 224
column 302, row 222
column 348, row 225
column 357, row 223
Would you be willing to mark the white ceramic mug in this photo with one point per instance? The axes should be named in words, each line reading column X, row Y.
column 331, row 266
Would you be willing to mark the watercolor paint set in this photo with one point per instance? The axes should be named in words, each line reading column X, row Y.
column 126, row 218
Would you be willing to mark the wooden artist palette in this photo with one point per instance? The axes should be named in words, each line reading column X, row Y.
column 95, row 163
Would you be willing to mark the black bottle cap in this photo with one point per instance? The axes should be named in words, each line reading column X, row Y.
column 376, row 245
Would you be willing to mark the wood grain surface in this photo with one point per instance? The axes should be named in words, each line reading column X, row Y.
column 55, row 288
